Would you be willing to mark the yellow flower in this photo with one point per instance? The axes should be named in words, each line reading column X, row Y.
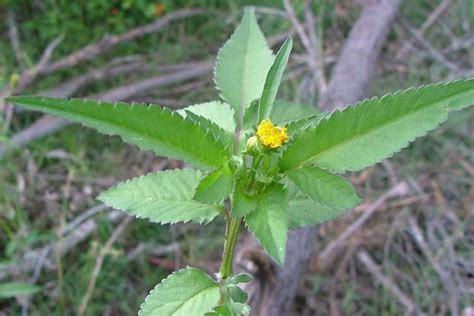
column 271, row 136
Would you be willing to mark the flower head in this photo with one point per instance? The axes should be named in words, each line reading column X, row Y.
column 271, row 136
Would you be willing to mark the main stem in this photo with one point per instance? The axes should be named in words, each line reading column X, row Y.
column 233, row 229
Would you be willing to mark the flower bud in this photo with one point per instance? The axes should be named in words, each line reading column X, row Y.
column 253, row 145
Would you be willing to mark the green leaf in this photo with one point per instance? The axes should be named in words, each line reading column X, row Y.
column 242, row 65
column 303, row 211
column 14, row 289
column 163, row 197
column 301, row 125
column 282, row 113
column 324, row 187
column 272, row 81
column 239, row 278
column 221, row 310
column 375, row 129
column 269, row 222
column 230, row 308
column 234, row 298
column 186, row 292
column 149, row 127
column 237, row 294
column 217, row 112
column 220, row 134
column 243, row 204
column 215, row 187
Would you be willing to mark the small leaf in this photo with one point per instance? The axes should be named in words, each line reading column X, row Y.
column 372, row 130
column 230, row 309
column 282, row 113
column 242, row 204
column 186, row 292
column 14, row 289
column 301, row 125
column 324, row 187
column 269, row 222
column 215, row 187
column 219, row 113
column 219, row 134
column 239, row 278
column 237, row 294
column 242, row 64
column 163, row 197
column 272, row 81
column 149, row 127
column 221, row 310
column 303, row 211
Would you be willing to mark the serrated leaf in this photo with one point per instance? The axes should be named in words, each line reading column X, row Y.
column 272, row 81
column 149, row 127
column 14, row 289
column 186, row 292
column 375, row 129
column 269, row 222
column 282, row 113
column 220, row 134
column 242, row 65
column 324, row 187
column 219, row 113
column 301, row 125
column 163, row 197
column 303, row 211
column 215, row 187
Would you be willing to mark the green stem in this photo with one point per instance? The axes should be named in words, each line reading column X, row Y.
column 232, row 233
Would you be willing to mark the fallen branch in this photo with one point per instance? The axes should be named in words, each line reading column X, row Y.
column 352, row 74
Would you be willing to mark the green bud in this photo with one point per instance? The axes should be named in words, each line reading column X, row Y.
column 253, row 145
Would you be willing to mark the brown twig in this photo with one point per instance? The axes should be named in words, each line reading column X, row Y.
column 440, row 9
column 30, row 75
column 91, row 51
column 326, row 255
column 352, row 74
column 29, row 260
column 375, row 270
column 311, row 43
column 99, row 262
column 444, row 274
column 15, row 39
column 438, row 56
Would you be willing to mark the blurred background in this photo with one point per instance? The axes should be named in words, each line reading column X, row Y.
column 407, row 249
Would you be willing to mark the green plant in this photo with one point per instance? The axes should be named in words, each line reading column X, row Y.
column 272, row 178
